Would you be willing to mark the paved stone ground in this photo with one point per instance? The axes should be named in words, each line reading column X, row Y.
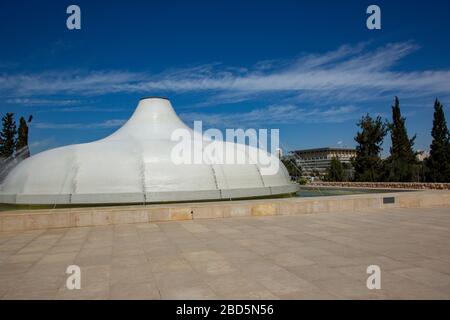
column 289, row 257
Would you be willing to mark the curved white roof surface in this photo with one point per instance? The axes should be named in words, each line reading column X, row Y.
column 133, row 165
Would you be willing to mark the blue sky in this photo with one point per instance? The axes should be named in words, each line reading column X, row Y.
column 311, row 69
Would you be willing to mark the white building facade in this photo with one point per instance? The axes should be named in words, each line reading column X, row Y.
column 134, row 165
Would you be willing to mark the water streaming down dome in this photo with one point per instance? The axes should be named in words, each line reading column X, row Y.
column 133, row 165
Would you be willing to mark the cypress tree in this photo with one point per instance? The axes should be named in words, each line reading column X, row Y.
column 8, row 136
column 402, row 165
column 22, row 150
column 336, row 171
column 438, row 163
column 367, row 163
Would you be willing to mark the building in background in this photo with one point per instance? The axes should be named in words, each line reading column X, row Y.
column 316, row 161
column 422, row 155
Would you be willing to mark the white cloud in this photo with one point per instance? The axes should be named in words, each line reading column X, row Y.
column 41, row 143
column 87, row 109
column 274, row 115
column 67, row 82
column 349, row 73
column 111, row 123
column 39, row 102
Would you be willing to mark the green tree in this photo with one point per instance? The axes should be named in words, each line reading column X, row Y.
column 8, row 136
column 367, row 163
column 438, row 163
column 336, row 171
column 22, row 150
column 401, row 165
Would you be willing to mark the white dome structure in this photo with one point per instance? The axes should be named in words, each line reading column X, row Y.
column 135, row 165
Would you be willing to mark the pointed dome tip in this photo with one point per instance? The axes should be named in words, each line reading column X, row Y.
column 154, row 97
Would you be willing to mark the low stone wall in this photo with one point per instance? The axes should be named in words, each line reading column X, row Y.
column 14, row 221
column 385, row 185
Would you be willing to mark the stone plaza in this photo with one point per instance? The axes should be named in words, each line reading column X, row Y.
column 305, row 256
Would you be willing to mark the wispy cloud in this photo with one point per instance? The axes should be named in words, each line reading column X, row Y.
column 111, row 123
column 67, row 82
column 41, row 143
column 41, row 102
column 339, row 73
column 274, row 115
column 86, row 109
column 60, row 105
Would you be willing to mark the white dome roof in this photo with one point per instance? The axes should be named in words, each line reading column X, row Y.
column 133, row 165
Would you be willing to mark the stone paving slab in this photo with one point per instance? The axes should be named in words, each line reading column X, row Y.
column 312, row 256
